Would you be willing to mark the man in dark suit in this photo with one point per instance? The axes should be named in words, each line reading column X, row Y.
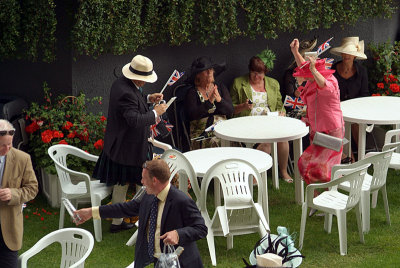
column 18, row 185
column 128, row 128
column 177, row 219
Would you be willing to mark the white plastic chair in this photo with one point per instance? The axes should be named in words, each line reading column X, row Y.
column 76, row 245
column 372, row 183
column 84, row 189
column 336, row 203
column 395, row 161
column 239, row 215
column 178, row 163
column 389, row 144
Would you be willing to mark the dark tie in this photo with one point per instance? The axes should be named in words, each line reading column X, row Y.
column 152, row 226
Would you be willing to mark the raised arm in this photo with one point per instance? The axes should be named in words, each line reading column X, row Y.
column 294, row 47
column 319, row 78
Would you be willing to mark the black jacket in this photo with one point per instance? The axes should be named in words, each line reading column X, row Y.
column 128, row 124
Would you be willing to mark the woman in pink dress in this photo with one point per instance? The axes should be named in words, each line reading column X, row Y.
column 321, row 94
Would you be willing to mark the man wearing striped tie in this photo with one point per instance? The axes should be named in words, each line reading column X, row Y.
column 167, row 216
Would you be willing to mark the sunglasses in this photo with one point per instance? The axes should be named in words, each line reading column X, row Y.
column 5, row 132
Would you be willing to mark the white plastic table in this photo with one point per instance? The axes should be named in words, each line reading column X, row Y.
column 270, row 129
column 203, row 159
column 379, row 110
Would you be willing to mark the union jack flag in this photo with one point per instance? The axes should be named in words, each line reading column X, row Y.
column 328, row 63
column 294, row 103
column 154, row 132
column 175, row 77
column 324, row 46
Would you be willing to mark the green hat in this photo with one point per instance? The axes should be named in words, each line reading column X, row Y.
column 268, row 57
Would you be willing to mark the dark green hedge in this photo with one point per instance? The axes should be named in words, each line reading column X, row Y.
column 27, row 29
column 120, row 27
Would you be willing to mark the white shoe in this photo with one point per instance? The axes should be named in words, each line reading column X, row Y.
column 312, row 212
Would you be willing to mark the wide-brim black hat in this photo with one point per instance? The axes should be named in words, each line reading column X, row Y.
column 205, row 63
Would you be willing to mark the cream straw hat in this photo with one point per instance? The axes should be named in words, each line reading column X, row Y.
column 351, row 46
column 140, row 68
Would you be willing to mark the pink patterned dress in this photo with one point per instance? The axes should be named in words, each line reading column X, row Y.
column 323, row 115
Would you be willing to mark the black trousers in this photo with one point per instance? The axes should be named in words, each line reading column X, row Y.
column 8, row 258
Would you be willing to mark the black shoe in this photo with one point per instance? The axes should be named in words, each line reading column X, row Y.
column 118, row 228
column 346, row 160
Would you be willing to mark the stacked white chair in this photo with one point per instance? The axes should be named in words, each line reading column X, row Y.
column 239, row 214
column 332, row 202
column 84, row 189
column 76, row 245
column 372, row 183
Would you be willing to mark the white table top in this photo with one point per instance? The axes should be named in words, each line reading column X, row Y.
column 258, row 129
column 203, row 159
column 380, row 110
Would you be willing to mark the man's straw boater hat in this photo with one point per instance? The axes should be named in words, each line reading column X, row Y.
column 140, row 68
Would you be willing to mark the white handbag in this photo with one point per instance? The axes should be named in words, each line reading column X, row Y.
column 328, row 141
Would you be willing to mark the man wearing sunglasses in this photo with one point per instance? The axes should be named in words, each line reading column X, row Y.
column 167, row 216
column 18, row 185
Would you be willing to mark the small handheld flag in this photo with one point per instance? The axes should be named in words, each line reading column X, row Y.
column 294, row 103
column 328, row 63
column 175, row 77
column 324, row 46
column 172, row 79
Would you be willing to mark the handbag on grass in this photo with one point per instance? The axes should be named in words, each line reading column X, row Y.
column 326, row 140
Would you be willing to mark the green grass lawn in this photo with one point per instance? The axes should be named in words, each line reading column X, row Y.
column 381, row 248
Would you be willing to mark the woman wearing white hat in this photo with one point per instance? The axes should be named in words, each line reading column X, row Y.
column 351, row 75
column 128, row 128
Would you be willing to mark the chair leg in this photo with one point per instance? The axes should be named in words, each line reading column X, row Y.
column 365, row 210
column 342, row 228
column 229, row 241
column 211, row 247
column 96, row 201
column 374, row 199
column 133, row 239
column 360, row 218
column 328, row 222
column 62, row 214
column 386, row 203
column 303, row 224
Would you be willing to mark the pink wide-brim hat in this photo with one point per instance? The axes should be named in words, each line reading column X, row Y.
column 304, row 69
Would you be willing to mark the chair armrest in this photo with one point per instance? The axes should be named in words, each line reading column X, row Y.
column 87, row 156
column 357, row 164
column 340, row 177
column 35, row 249
column 159, row 144
column 390, row 134
column 84, row 176
column 392, row 145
